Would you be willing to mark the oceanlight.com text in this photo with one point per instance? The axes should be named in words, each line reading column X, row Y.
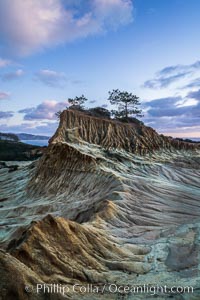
column 111, row 288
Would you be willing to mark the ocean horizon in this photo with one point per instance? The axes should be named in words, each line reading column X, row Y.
column 36, row 142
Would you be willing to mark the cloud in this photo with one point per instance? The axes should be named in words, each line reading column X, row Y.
column 12, row 75
column 163, row 107
column 54, row 22
column 195, row 95
column 179, row 68
column 6, row 114
column 4, row 62
column 193, row 84
column 171, row 74
column 162, row 81
column 176, row 125
column 47, row 128
column 50, row 78
column 174, row 114
column 26, row 110
column 4, row 95
column 112, row 13
column 44, row 111
column 175, row 106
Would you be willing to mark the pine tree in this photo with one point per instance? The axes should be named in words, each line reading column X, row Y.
column 127, row 104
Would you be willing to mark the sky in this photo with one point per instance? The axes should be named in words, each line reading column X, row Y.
column 52, row 50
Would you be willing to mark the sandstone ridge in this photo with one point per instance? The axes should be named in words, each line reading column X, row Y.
column 140, row 139
column 107, row 203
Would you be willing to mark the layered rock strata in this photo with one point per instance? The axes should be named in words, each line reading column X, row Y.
column 108, row 203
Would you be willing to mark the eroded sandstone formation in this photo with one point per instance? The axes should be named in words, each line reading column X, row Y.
column 108, row 203
column 139, row 139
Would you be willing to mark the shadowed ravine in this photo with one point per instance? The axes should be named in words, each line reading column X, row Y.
column 107, row 203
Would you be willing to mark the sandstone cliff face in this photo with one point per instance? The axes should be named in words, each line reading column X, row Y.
column 107, row 203
column 138, row 139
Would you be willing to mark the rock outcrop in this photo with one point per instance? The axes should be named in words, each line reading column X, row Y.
column 107, row 203
column 109, row 134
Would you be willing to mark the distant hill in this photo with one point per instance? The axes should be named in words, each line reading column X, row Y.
column 191, row 140
column 26, row 136
column 17, row 151
column 9, row 137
